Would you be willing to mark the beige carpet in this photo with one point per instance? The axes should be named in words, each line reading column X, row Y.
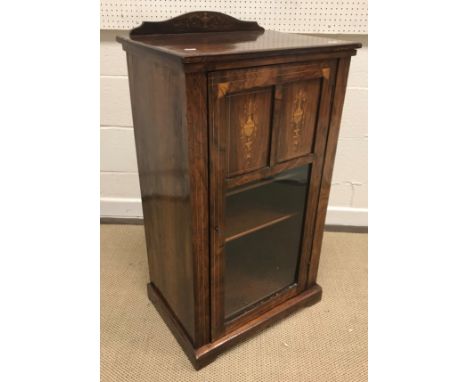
column 326, row 342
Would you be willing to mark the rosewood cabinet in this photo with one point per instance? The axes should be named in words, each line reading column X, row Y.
column 236, row 131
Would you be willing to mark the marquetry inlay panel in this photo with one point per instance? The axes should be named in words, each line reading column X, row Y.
column 298, row 118
column 248, row 131
column 249, row 122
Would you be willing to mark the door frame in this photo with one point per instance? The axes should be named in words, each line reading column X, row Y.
column 220, row 85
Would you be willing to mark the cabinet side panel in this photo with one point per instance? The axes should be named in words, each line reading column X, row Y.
column 329, row 159
column 196, row 93
column 158, row 106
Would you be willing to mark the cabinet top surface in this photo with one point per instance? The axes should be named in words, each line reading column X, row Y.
column 195, row 46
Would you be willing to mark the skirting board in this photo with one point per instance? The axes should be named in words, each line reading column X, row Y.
column 130, row 208
column 121, row 208
column 346, row 216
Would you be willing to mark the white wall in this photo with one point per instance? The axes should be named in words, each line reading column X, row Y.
column 120, row 194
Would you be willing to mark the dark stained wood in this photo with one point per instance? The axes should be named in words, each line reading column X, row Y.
column 206, row 354
column 298, row 113
column 172, row 322
column 217, row 109
column 161, row 137
column 319, row 146
column 217, row 104
column 202, row 47
column 269, row 171
column 254, row 59
column 328, row 161
column 253, row 137
column 248, row 123
column 232, row 81
column 202, row 356
column 196, row 106
column 244, row 60
column 196, row 22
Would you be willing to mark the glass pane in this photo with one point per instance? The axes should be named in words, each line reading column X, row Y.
column 264, row 222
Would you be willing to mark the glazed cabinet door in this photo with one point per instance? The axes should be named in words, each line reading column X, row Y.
column 268, row 128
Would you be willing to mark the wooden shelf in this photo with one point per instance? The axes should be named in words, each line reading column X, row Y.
column 259, row 267
column 248, row 213
column 250, row 186
column 268, row 222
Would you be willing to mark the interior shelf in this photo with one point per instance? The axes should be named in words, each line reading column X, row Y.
column 260, row 265
column 263, row 229
column 249, row 211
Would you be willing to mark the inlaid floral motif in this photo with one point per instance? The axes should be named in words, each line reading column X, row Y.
column 298, row 118
column 248, row 129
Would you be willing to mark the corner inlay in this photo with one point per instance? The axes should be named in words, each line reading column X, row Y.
column 223, row 89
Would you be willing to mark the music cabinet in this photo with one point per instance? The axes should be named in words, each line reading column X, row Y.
column 236, row 131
